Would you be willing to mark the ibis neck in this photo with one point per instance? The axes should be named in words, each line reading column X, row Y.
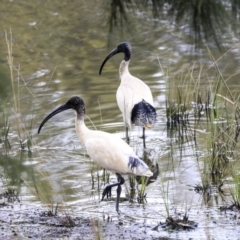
column 123, row 69
column 81, row 130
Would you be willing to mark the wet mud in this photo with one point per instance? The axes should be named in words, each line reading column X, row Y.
column 27, row 222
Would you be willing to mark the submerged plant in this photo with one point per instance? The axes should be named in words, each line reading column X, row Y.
column 4, row 126
column 8, row 194
column 51, row 212
column 235, row 191
column 177, row 109
column 179, row 223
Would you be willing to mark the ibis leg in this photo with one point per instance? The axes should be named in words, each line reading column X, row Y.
column 119, row 190
column 127, row 138
column 108, row 191
column 143, row 136
column 108, row 188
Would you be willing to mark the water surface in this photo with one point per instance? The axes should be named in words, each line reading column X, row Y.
column 58, row 48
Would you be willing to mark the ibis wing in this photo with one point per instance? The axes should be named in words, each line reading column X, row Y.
column 141, row 90
column 136, row 99
column 113, row 154
column 125, row 101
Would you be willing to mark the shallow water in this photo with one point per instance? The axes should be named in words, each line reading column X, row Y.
column 59, row 48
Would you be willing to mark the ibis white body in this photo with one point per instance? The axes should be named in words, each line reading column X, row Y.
column 131, row 91
column 134, row 97
column 107, row 150
column 110, row 151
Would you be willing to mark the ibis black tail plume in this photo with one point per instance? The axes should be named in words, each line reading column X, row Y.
column 143, row 114
column 124, row 47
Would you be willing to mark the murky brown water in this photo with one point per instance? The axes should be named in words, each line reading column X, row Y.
column 59, row 47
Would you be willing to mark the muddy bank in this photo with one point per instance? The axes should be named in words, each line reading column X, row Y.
column 20, row 221
column 27, row 221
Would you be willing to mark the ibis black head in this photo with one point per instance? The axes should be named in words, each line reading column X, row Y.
column 75, row 103
column 123, row 47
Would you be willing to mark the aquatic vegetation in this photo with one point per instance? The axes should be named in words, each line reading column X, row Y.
column 5, row 127
column 24, row 132
column 200, row 117
column 179, row 223
column 51, row 212
column 235, row 192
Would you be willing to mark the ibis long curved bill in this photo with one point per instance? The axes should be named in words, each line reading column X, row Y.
column 120, row 48
column 55, row 112
column 111, row 54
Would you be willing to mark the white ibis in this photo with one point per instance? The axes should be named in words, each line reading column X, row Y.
column 134, row 97
column 107, row 150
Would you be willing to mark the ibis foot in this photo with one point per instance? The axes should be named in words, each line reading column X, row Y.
column 107, row 192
